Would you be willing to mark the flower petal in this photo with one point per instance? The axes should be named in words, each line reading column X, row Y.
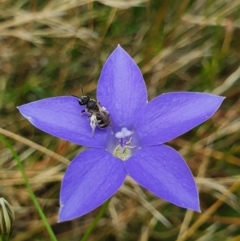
column 170, row 115
column 121, row 89
column 162, row 171
column 61, row 117
column 91, row 178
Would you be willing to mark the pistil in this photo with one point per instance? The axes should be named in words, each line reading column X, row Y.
column 123, row 149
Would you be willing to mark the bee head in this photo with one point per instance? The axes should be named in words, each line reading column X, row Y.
column 83, row 100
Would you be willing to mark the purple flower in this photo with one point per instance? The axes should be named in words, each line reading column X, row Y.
column 132, row 145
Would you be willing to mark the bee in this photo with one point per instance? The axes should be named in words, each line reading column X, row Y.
column 98, row 115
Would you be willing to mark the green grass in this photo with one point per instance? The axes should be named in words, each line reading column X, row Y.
column 51, row 48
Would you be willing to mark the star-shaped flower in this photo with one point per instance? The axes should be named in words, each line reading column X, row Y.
column 132, row 145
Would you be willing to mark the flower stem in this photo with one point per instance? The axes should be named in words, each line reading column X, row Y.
column 3, row 238
column 95, row 221
column 31, row 193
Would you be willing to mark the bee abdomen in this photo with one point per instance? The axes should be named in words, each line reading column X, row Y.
column 102, row 123
column 103, row 120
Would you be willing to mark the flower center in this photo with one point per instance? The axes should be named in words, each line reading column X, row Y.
column 124, row 149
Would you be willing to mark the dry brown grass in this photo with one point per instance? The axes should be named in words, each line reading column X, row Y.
column 53, row 47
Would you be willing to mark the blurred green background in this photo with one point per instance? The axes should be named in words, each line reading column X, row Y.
column 55, row 47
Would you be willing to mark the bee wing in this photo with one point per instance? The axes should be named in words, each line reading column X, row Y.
column 103, row 113
column 101, row 108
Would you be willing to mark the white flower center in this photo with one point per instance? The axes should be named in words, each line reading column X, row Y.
column 123, row 149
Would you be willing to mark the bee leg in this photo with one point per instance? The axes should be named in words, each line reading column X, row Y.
column 83, row 112
column 93, row 123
